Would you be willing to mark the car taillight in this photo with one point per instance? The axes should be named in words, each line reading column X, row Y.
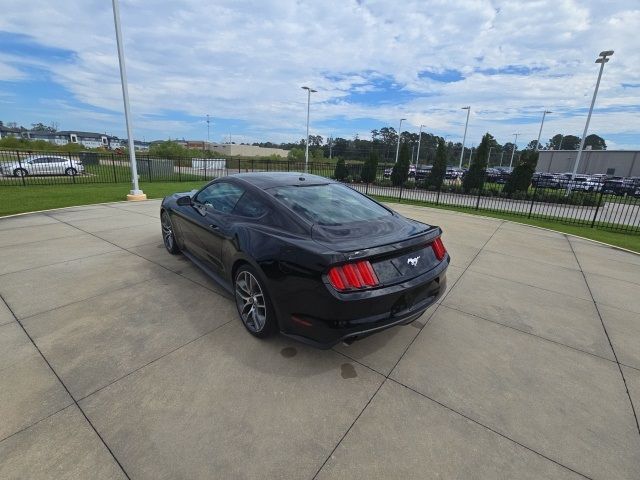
column 352, row 276
column 438, row 248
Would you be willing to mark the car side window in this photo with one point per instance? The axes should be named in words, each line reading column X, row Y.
column 250, row 206
column 221, row 196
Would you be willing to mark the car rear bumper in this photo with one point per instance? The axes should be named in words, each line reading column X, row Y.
column 336, row 320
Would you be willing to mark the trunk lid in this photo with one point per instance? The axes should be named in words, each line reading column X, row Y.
column 398, row 249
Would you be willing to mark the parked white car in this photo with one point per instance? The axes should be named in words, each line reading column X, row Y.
column 42, row 165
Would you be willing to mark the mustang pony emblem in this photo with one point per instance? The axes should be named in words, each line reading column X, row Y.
column 413, row 261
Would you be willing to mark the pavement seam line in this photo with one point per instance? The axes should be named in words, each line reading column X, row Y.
column 484, row 272
column 606, row 332
column 155, row 360
column 495, row 322
column 60, row 262
column 386, row 377
column 35, row 345
column 36, row 422
column 487, row 427
column 349, row 429
column 133, row 253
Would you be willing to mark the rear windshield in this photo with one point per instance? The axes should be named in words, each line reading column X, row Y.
column 330, row 204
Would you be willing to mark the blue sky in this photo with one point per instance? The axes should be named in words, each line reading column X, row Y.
column 372, row 64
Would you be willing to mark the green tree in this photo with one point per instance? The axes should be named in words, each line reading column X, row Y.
column 532, row 145
column 167, row 149
column 475, row 176
column 400, row 172
column 296, row 155
column 436, row 176
column 370, row 167
column 41, row 127
column 563, row 142
column 520, row 178
column 340, row 172
column 595, row 142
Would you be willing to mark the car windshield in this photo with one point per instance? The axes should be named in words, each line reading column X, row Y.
column 329, row 204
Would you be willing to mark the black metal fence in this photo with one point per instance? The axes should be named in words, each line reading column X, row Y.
column 612, row 205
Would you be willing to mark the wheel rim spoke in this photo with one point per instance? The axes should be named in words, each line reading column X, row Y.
column 250, row 301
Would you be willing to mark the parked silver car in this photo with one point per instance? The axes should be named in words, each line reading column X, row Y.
column 42, row 165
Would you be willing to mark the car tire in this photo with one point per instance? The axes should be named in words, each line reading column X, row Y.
column 20, row 172
column 168, row 234
column 253, row 303
column 70, row 172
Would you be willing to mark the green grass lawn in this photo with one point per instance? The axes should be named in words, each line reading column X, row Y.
column 16, row 199
column 43, row 197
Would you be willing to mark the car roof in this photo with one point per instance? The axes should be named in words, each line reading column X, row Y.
column 265, row 180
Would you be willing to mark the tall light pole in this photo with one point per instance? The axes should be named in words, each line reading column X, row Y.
column 419, row 140
column 135, row 194
column 561, row 139
column 464, row 138
column 306, row 153
column 541, row 125
column 602, row 59
column 489, row 157
column 399, row 135
column 513, row 150
column 501, row 155
column 208, row 142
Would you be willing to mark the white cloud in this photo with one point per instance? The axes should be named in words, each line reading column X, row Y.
column 245, row 61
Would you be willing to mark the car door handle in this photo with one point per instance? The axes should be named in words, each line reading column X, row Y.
column 213, row 227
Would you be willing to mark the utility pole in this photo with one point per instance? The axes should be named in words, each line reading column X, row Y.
column 399, row 135
column 513, row 150
column 464, row 138
column 541, row 124
column 419, row 140
column 306, row 152
column 208, row 141
column 602, row 59
column 135, row 194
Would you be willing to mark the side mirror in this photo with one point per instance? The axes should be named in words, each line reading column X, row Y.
column 184, row 201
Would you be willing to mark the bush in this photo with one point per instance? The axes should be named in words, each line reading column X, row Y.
column 474, row 179
column 340, row 172
column 370, row 167
column 383, row 183
column 400, row 172
column 437, row 173
column 520, row 178
column 409, row 185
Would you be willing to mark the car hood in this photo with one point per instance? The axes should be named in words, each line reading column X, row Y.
column 369, row 234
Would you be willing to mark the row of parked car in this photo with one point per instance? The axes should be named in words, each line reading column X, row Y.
column 582, row 183
column 588, row 183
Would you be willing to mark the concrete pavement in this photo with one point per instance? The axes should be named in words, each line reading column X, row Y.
column 119, row 360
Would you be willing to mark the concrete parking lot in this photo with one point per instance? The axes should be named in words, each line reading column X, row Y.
column 118, row 360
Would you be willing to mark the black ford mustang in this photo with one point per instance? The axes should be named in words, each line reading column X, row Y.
column 307, row 256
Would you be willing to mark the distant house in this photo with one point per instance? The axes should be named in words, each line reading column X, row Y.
column 51, row 137
column 141, row 146
column 6, row 132
column 87, row 139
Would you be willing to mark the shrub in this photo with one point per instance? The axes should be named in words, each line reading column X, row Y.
column 520, row 178
column 474, row 179
column 370, row 167
column 340, row 172
column 436, row 175
column 400, row 172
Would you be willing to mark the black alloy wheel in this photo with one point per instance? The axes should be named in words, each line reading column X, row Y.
column 168, row 237
column 253, row 303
